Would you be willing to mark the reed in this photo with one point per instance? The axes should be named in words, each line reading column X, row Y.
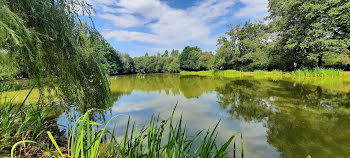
column 158, row 139
column 15, row 85
column 268, row 73
column 21, row 121
column 318, row 72
column 212, row 73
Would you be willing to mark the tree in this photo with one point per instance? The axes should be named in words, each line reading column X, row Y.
column 311, row 30
column 205, row 60
column 223, row 59
column 189, row 58
column 172, row 65
column 128, row 64
column 174, row 53
column 113, row 62
column 47, row 38
column 8, row 68
column 166, row 54
column 248, row 44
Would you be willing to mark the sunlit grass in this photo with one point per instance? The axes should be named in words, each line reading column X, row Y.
column 319, row 72
column 268, row 73
column 15, row 85
column 218, row 73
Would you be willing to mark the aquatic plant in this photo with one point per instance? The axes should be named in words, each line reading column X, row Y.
column 153, row 141
column 318, row 72
column 217, row 73
column 15, row 85
column 268, row 73
column 22, row 121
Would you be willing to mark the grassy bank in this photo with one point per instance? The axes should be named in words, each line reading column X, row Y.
column 225, row 73
column 19, row 121
column 317, row 72
column 15, row 85
column 161, row 138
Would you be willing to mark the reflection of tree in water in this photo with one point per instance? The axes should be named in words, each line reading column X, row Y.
column 300, row 119
column 308, row 96
column 97, row 115
column 195, row 86
column 189, row 86
column 244, row 99
column 296, row 133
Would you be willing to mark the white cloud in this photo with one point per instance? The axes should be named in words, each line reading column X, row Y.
column 166, row 25
column 122, row 35
column 123, row 20
column 253, row 9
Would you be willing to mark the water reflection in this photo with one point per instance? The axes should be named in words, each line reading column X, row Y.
column 189, row 86
column 300, row 119
column 280, row 117
column 296, row 117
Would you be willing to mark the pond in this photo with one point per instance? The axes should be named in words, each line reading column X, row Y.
column 279, row 117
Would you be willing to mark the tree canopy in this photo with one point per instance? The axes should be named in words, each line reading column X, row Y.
column 311, row 30
column 46, row 38
column 189, row 58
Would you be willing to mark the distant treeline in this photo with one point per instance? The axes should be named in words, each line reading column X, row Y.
column 297, row 34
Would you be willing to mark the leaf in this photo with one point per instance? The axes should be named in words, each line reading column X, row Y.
column 54, row 143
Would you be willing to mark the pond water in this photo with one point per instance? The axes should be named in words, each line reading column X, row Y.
column 279, row 117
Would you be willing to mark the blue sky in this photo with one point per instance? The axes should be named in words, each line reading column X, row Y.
column 140, row 26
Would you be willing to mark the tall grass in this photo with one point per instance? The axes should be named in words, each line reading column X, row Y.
column 319, row 72
column 158, row 139
column 20, row 121
column 15, row 85
column 268, row 73
column 218, row 73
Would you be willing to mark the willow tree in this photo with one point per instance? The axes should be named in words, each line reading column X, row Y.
column 45, row 37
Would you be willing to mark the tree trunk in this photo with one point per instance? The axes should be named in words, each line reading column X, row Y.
column 319, row 62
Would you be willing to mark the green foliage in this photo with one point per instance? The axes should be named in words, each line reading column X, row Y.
column 166, row 54
column 49, row 41
column 156, row 64
column 311, row 28
column 16, row 85
column 113, row 62
column 85, row 141
column 174, row 53
column 268, row 73
column 246, row 49
column 8, row 68
column 205, row 60
column 189, row 58
column 171, row 65
column 318, row 72
column 224, row 73
column 223, row 59
column 128, row 64
column 21, row 121
column 309, row 33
